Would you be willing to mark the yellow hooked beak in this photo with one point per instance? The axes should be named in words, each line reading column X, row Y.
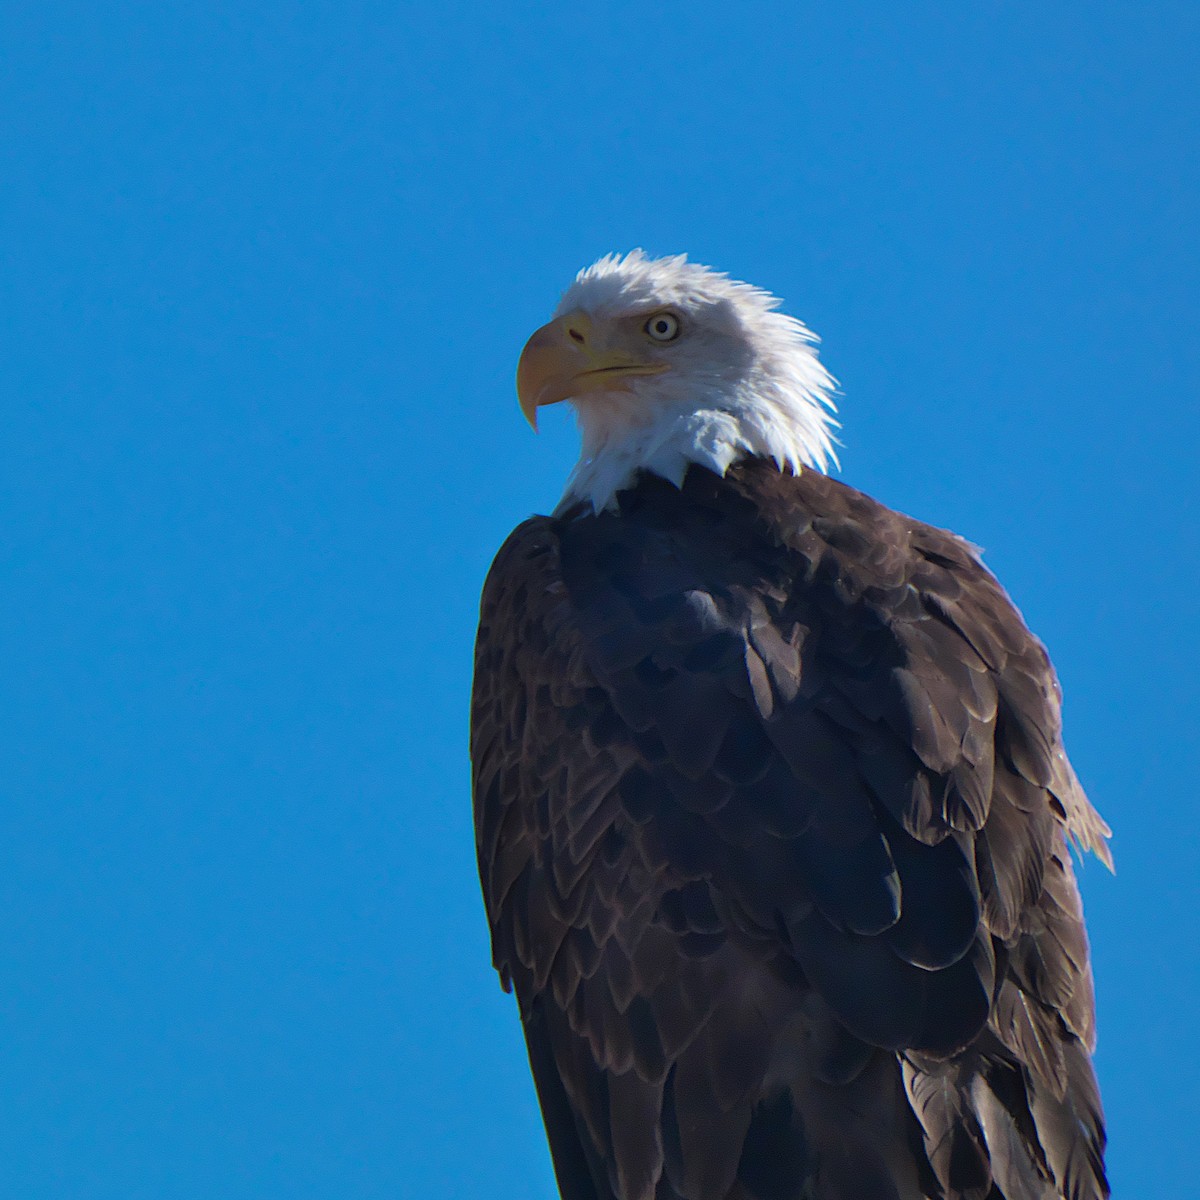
column 561, row 360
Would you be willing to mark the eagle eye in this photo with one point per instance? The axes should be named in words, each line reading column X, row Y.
column 663, row 327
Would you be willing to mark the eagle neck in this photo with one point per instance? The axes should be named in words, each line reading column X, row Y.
column 618, row 443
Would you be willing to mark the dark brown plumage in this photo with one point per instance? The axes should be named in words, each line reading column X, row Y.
column 772, row 818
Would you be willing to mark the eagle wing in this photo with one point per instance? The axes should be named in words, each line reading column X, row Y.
column 763, row 727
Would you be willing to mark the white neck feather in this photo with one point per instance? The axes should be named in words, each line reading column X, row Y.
column 779, row 414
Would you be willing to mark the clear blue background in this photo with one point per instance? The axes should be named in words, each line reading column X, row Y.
column 266, row 272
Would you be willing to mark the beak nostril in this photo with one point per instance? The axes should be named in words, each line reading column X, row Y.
column 575, row 335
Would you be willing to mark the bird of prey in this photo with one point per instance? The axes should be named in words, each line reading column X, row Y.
column 772, row 811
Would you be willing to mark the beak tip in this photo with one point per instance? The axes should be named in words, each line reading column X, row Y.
column 529, row 412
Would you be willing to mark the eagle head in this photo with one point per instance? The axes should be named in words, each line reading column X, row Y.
column 669, row 363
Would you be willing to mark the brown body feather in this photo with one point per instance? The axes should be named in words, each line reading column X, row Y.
column 773, row 817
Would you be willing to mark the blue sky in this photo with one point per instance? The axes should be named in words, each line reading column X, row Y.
column 267, row 270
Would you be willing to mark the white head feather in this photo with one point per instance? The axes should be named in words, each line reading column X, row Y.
column 744, row 380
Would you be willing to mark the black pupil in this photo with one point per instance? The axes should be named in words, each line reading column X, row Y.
column 662, row 326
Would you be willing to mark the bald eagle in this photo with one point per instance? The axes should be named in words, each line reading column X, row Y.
column 772, row 811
